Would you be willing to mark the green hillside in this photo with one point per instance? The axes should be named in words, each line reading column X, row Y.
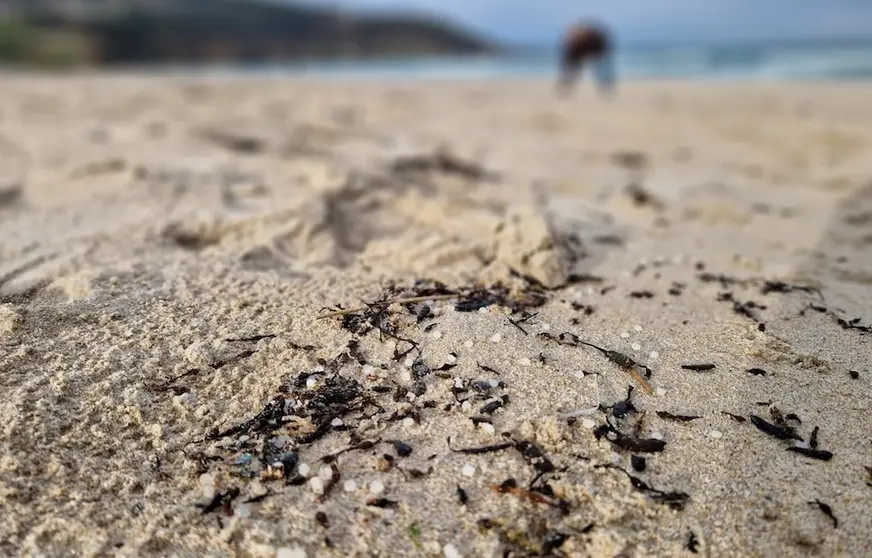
column 153, row 31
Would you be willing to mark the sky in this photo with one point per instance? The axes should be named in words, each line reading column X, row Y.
column 540, row 21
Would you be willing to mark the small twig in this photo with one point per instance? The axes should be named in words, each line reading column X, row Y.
column 387, row 303
column 643, row 383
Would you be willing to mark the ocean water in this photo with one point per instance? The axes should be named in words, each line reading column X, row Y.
column 763, row 62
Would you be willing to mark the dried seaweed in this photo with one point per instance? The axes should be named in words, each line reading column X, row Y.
column 702, row 367
column 820, row 455
column 252, row 339
column 442, row 162
column 675, row 500
column 222, row 500
column 781, row 432
column 629, row 443
column 622, row 360
column 482, row 449
column 737, row 418
column 679, row 418
column 168, row 385
column 692, row 543
column 827, row 510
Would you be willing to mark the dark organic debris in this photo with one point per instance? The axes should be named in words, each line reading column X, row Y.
column 322, row 520
column 641, row 294
column 633, row 160
column 629, row 443
column 698, row 367
column 821, row 455
column 827, row 510
column 168, row 385
column 781, row 432
column 622, row 360
column 335, row 397
column 737, row 418
column 253, row 338
column 692, row 543
column 854, row 374
column 525, row 318
column 638, row 463
column 510, row 486
column 382, row 503
column 491, row 407
column 258, row 498
column 756, row 372
column 403, row 449
column 482, row 449
column 361, row 446
column 239, row 356
column 462, row 496
column 234, row 142
column 724, row 280
column 679, row 418
column 640, row 196
column 675, row 500
column 221, row 500
column 782, row 287
column 443, row 162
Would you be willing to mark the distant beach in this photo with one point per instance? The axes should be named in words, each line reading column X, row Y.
column 791, row 61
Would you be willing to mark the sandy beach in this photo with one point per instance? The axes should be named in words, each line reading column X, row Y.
column 199, row 355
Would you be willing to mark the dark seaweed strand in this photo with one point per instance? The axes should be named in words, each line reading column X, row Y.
column 675, row 500
column 774, row 431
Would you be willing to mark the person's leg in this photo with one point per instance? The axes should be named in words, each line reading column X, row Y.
column 570, row 69
column 605, row 73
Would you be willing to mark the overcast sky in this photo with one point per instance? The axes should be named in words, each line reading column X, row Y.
column 642, row 20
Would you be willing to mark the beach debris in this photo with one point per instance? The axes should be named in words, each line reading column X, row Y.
column 252, row 338
column 820, row 455
column 629, row 443
column 233, row 141
column 641, row 294
column 382, row 503
column 221, row 500
column 169, row 385
column 638, row 462
column 678, row 418
column 701, row 367
column 510, row 486
column 756, row 372
column 442, row 161
column 642, row 197
column 692, row 543
column 782, row 432
column 462, row 496
column 826, row 510
column 675, row 499
column 622, row 360
column 631, row 160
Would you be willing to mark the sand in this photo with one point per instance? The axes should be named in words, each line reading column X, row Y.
column 168, row 244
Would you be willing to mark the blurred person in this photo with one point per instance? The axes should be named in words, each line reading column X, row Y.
column 585, row 43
